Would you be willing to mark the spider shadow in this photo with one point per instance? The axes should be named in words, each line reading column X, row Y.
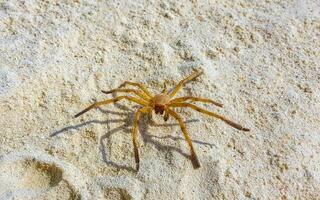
column 78, row 126
column 101, row 145
column 153, row 139
column 145, row 137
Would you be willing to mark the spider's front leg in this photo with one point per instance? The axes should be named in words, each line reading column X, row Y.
column 135, row 132
column 184, row 81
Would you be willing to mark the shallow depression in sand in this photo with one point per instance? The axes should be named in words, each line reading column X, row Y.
column 29, row 175
column 8, row 80
column 37, row 176
column 202, row 183
column 117, row 193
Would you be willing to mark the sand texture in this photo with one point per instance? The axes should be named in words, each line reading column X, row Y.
column 261, row 59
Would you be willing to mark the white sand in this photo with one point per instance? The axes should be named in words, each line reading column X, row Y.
column 261, row 59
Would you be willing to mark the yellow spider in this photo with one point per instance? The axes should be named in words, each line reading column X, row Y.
column 162, row 104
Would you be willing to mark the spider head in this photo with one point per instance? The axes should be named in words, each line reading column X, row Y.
column 159, row 109
column 159, row 103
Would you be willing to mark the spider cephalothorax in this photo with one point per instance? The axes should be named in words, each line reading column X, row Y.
column 163, row 103
column 159, row 102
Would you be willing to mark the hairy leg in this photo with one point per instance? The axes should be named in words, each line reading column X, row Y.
column 135, row 132
column 108, row 101
column 231, row 123
column 193, row 156
column 181, row 99
column 137, row 92
column 184, row 81
column 139, row 85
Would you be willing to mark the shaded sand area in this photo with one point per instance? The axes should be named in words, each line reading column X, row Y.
column 261, row 59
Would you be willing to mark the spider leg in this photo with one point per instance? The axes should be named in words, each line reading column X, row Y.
column 181, row 99
column 137, row 92
column 166, row 115
column 150, row 118
column 95, row 105
column 193, row 156
column 164, row 91
column 139, row 85
column 184, row 81
column 231, row 123
column 134, row 134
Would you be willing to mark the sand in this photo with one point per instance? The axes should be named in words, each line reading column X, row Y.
column 261, row 59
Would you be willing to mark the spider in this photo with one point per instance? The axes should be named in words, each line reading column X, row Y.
column 162, row 104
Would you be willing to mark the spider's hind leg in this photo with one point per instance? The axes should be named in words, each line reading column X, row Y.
column 137, row 92
column 194, row 107
column 139, row 85
column 204, row 100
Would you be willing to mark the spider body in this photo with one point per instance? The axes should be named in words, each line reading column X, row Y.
column 163, row 103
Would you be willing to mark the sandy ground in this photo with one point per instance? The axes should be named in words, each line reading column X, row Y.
column 261, row 59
